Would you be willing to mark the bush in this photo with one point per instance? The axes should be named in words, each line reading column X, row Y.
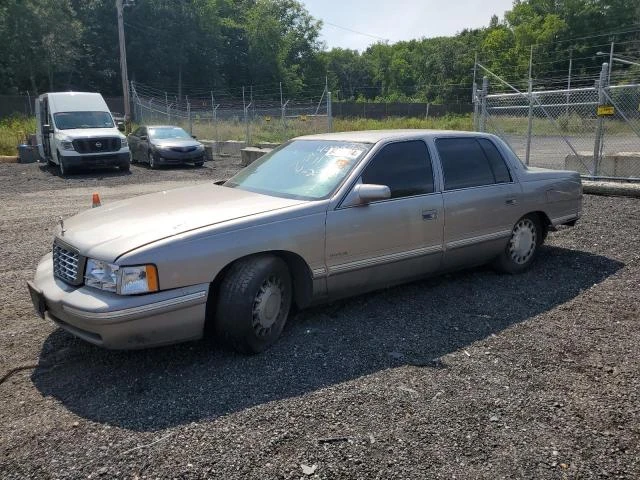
column 14, row 131
column 571, row 122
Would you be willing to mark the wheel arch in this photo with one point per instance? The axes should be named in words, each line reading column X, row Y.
column 301, row 278
column 545, row 222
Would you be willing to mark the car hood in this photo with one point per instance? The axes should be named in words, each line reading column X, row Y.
column 113, row 229
column 78, row 133
column 175, row 142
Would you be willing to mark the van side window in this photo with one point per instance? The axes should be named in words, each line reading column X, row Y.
column 467, row 162
column 405, row 167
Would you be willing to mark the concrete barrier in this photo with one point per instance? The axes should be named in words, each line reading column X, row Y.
column 621, row 164
column 251, row 154
column 230, row 148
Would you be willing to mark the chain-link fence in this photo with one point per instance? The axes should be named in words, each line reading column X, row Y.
column 251, row 121
column 595, row 131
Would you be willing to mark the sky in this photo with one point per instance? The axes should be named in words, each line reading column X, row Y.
column 396, row 20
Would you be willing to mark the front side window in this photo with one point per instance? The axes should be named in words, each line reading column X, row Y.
column 74, row 120
column 303, row 169
column 467, row 162
column 405, row 167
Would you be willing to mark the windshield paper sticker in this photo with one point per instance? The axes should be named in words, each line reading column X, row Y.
column 344, row 152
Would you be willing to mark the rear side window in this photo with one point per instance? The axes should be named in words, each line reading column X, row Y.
column 405, row 167
column 467, row 162
column 500, row 170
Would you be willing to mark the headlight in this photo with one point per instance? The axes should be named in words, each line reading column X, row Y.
column 121, row 280
column 66, row 145
column 124, row 143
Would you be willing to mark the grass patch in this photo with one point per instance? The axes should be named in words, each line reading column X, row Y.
column 13, row 131
column 274, row 130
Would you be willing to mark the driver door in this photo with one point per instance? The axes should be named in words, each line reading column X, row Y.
column 388, row 241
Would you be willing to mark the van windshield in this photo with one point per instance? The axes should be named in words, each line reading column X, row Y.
column 71, row 120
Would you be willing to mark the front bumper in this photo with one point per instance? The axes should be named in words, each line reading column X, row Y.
column 169, row 157
column 118, row 321
column 114, row 159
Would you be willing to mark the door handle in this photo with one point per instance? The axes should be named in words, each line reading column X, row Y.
column 511, row 201
column 429, row 214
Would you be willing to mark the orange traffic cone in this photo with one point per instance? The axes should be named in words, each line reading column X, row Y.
column 95, row 202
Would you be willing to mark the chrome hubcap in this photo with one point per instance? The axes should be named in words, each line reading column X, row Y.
column 523, row 241
column 267, row 305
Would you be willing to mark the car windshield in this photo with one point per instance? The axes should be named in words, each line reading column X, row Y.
column 304, row 169
column 71, row 120
column 167, row 132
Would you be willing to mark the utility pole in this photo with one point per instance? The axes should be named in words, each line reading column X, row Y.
column 610, row 65
column 123, row 67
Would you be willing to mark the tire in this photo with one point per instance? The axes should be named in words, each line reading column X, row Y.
column 152, row 161
column 63, row 170
column 254, row 301
column 125, row 167
column 198, row 164
column 526, row 238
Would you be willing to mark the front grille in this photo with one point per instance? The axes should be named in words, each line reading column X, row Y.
column 183, row 149
column 95, row 145
column 67, row 264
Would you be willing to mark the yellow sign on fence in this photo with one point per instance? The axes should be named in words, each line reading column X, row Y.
column 604, row 110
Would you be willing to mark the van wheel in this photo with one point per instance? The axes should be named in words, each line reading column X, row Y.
column 62, row 167
column 253, row 303
column 151, row 160
column 523, row 246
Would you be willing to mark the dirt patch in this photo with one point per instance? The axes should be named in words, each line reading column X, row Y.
column 469, row 375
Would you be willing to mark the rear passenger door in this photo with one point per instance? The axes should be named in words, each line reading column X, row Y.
column 387, row 241
column 481, row 200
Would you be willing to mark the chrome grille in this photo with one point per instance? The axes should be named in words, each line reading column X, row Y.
column 66, row 264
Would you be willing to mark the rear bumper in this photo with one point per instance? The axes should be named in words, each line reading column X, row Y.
column 122, row 322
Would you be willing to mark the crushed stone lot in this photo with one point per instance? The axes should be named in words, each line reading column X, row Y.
column 468, row 375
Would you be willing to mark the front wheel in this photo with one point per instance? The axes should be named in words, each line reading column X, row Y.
column 63, row 170
column 253, row 303
column 526, row 237
column 152, row 160
column 125, row 167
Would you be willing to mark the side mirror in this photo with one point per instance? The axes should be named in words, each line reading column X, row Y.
column 194, row 137
column 121, row 126
column 367, row 192
column 144, row 137
column 47, row 129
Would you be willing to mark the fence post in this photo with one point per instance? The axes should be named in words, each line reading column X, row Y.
column 189, row 117
column 329, row 113
column 529, row 122
column 483, row 103
column 475, row 106
column 597, row 147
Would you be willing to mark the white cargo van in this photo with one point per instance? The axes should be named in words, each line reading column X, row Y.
column 76, row 129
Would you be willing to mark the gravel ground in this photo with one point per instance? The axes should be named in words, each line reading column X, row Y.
column 469, row 375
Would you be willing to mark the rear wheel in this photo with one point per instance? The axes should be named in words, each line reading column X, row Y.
column 125, row 167
column 526, row 237
column 253, row 303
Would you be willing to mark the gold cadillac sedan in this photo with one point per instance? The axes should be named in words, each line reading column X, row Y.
column 319, row 218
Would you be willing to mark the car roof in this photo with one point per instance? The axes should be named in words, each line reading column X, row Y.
column 161, row 126
column 375, row 136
